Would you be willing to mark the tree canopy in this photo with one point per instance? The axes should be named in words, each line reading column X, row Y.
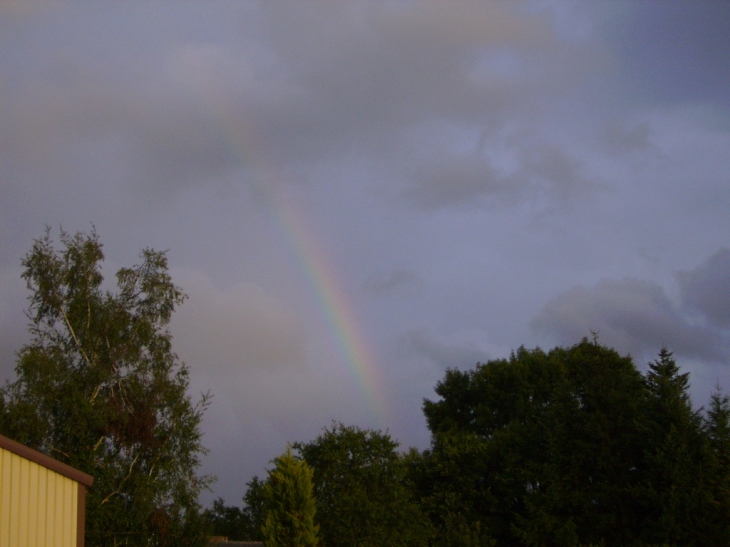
column 99, row 388
column 363, row 494
column 574, row 447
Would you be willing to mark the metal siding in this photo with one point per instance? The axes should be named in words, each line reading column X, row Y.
column 38, row 507
column 42, row 495
column 4, row 516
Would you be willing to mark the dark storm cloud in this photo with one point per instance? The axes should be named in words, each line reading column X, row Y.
column 458, row 181
column 706, row 289
column 678, row 49
column 630, row 315
column 542, row 170
column 382, row 73
column 192, row 111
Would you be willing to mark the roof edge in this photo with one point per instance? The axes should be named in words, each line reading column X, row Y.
column 46, row 461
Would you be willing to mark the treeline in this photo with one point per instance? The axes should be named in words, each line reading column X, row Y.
column 569, row 447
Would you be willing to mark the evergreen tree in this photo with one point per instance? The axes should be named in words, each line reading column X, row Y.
column 290, row 504
column 717, row 430
column 99, row 388
column 675, row 466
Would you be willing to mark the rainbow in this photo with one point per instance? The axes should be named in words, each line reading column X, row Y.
column 318, row 269
column 335, row 305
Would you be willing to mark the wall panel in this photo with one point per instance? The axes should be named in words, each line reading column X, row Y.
column 38, row 507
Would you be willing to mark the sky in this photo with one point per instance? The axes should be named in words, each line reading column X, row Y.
column 356, row 196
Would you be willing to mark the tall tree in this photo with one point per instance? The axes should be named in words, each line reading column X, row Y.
column 363, row 495
column 290, row 505
column 99, row 388
column 538, row 449
column 717, row 429
column 255, row 508
column 675, row 469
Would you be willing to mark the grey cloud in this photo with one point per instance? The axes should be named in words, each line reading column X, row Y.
column 558, row 172
column 542, row 170
column 377, row 69
column 189, row 112
column 631, row 315
column 443, row 355
column 706, row 289
column 237, row 329
column 621, row 140
column 455, row 181
column 381, row 283
column 166, row 143
column 177, row 148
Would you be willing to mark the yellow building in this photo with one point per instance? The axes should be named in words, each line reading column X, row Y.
column 42, row 501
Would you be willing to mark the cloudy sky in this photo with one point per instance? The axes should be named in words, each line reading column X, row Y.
column 358, row 195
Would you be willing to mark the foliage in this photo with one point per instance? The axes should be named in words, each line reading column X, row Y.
column 673, row 478
column 363, row 494
column 228, row 521
column 717, row 430
column 99, row 388
column 574, row 447
column 255, row 508
column 240, row 523
column 290, row 504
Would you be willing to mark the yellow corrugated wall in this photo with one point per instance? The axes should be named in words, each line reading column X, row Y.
column 37, row 506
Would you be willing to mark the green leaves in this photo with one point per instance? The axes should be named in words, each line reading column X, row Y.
column 364, row 497
column 99, row 388
column 569, row 447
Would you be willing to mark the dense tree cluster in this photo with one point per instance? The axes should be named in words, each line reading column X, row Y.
column 575, row 447
column 569, row 447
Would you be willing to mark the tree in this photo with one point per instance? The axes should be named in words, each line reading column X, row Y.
column 290, row 504
column 255, row 508
column 676, row 466
column 99, row 388
column 538, row 449
column 240, row 523
column 717, row 431
column 363, row 494
column 228, row 521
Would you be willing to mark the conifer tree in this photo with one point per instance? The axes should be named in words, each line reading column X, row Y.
column 717, row 429
column 676, row 496
column 290, row 504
